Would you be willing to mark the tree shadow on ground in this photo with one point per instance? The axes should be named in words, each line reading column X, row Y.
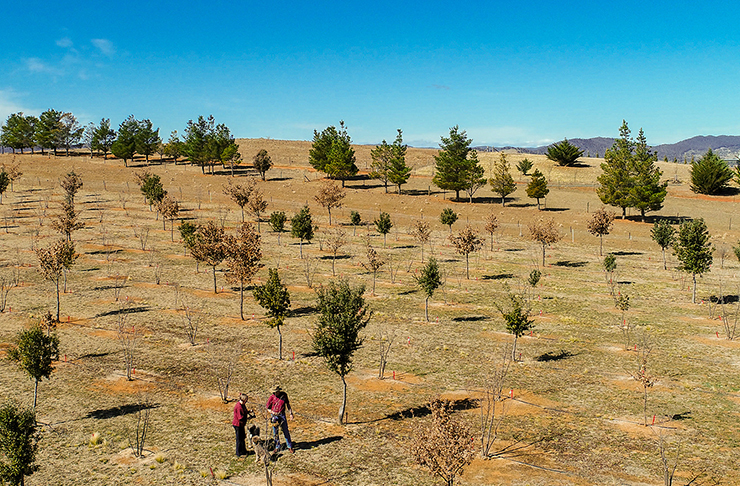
column 131, row 310
column 106, row 413
column 681, row 416
column 513, row 249
column 570, row 264
column 306, row 310
column 626, row 253
column 469, row 319
column 316, row 443
column 95, row 355
column 499, row 276
column 655, row 218
column 339, row 257
column 727, row 299
column 550, row 356
column 408, row 292
column 424, row 410
column 555, row 210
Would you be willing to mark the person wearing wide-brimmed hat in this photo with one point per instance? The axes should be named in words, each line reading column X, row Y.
column 277, row 404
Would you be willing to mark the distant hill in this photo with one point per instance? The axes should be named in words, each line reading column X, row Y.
column 726, row 146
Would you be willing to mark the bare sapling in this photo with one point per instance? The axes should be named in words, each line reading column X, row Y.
column 223, row 363
column 141, row 232
column 119, row 281
column 310, row 267
column 8, row 281
column 190, row 322
column 642, row 375
column 729, row 315
column 138, row 432
column 386, row 341
column 127, row 338
column 492, row 405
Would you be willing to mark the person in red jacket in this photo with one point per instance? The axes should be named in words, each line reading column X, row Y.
column 277, row 404
column 241, row 414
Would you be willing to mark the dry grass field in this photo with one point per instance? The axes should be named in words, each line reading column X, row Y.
column 576, row 413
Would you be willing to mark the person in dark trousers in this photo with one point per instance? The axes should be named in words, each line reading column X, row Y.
column 277, row 404
column 241, row 414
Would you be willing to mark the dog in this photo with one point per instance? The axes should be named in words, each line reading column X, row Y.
column 258, row 444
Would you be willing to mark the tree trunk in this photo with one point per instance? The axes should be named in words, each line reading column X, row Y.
column 642, row 215
column 280, row 343
column 35, row 393
column 457, row 194
column 467, row 268
column 693, row 293
column 665, row 267
column 543, row 255
column 426, row 308
column 57, row 282
column 64, row 270
column 300, row 245
column 624, row 213
column 329, row 209
column 601, row 245
column 513, row 349
column 215, row 289
column 241, row 298
column 334, row 257
column 344, row 401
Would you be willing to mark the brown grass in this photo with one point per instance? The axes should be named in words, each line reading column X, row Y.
column 577, row 417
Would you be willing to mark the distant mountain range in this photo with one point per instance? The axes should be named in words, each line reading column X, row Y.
column 726, row 146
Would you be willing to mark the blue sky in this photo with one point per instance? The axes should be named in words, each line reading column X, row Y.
column 509, row 73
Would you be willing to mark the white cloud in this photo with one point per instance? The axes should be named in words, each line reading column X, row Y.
column 65, row 42
column 104, row 46
column 8, row 105
column 36, row 65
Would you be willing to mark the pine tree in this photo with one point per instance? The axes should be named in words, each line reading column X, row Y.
column 147, row 139
column 537, row 187
column 332, row 153
column 48, row 128
column 616, row 180
column 448, row 217
column 710, row 174
column 383, row 224
column 564, row 153
column 455, row 168
column 398, row 171
column 501, row 181
column 647, row 192
column 124, row 147
column 262, row 163
column 103, row 137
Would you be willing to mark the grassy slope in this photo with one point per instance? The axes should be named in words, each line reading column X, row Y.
column 584, row 410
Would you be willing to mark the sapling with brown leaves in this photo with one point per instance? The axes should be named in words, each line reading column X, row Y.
column 335, row 240
column 421, row 231
column 52, row 263
column 169, row 208
column 642, row 375
column 71, row 184
column 67, row 221
column 373, row 264
column 545, row 233
column 600, row 224
column 330, row 196
column 491, row 226
column 208, row 246
column 442, row 445
column 243, row 255
column 239, row 193
column 466, row 242
column 257, row 205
